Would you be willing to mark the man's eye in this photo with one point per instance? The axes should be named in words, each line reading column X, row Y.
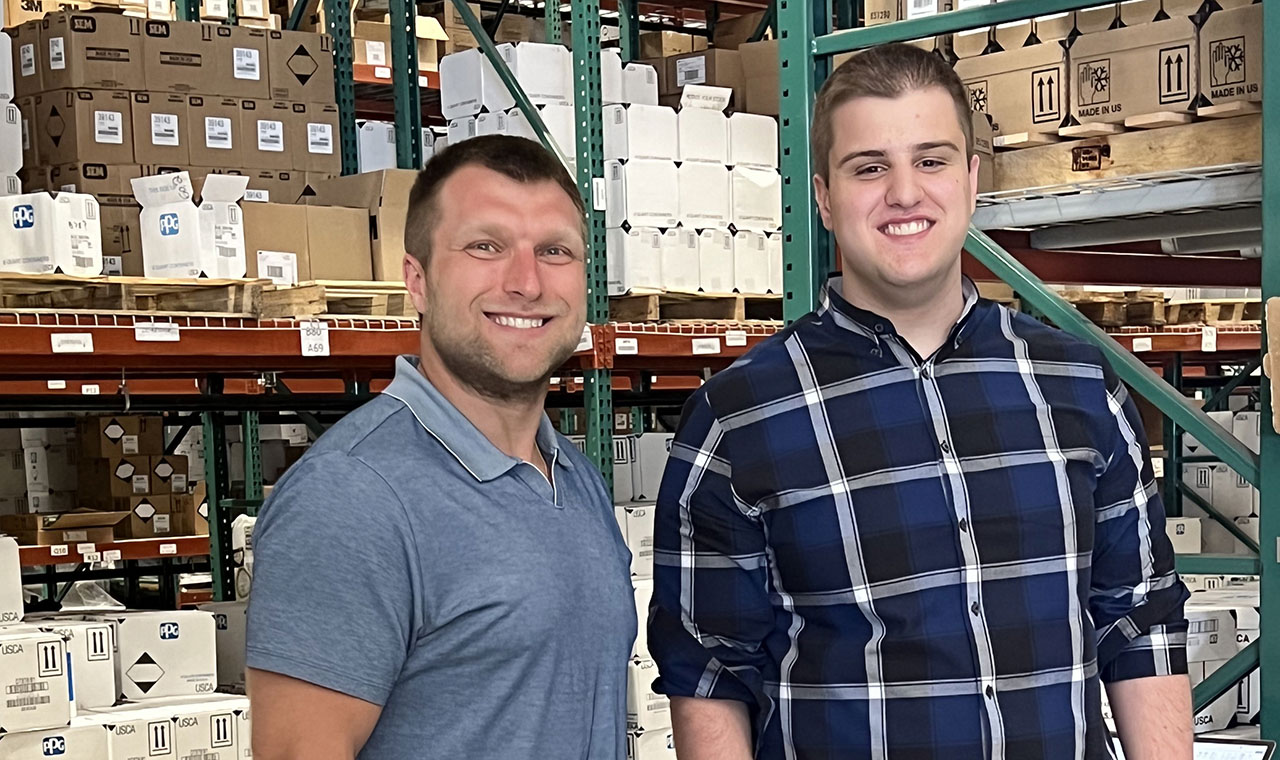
column 483, row 247
column 932, row 163
column 869, row 170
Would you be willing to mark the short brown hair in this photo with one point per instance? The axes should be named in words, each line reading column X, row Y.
column 886, row 71
column 518, row 158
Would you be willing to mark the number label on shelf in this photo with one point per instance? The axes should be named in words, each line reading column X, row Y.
column 626, row 346
column 85, row 548
column 1141, row 344
column 168, row 550
column 91, row 557
column 57, row 385
column 156, row 332
column 585, row 343
column 90, row 389
column 598, row 193
column 1209, row 339
column 111, row 555
column 315, row 338
column 58, row 551
column 72, row 343
column 382, row 72
column 735, row 338
column 706, row 346
column 1157, row 467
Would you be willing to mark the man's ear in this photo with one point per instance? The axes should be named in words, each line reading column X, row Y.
column 415, row 280
column 823, row 196
column 973, row 181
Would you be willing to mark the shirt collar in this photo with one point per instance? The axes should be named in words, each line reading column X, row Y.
column 871, row 325
column 456, row 433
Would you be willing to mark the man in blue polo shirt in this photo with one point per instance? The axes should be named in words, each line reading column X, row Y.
column 441, row 575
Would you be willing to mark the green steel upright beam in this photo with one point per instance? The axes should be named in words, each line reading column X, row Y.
column 1173, row 445
column 338, row 17
column 404, row 83
column 252, row 455
column 551, row 19
column 217, row 482
column 629, row 29
column 1226, row 676
column 590, row 154
column 300, row 8
column 1269, row 488
column 189, row 10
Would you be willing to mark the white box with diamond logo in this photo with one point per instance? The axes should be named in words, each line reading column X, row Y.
column 163, row 654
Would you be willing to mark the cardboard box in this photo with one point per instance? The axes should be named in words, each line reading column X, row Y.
column 1233, row 496
column 1022, row 90
column 1231, row 56
column 386, row 195
column 169, row 474
column 179, row 56
column 634, row 259
column 51, row 233
column 212, row 132
column 276, row 242
column 119, row 210
column 469, row 85
column 300, row 66
column 757, row 198
column 81, row 527
column 643, row 593
column 704, row 135
column 264, row 134
column 180, row 239
column 104, row 480
column 640, row 132
column 376, row 145
column 718, row 68
column 704, row 195
column 680, row 272
column 240, row 70
column 636, row 523
column 10, row 582
column 1138, row 70
column 338, row 243
column 760, row 74
column 544, row 71
column 373, row 42
column 120, row 436
column 8, row 91
column 164, row 654
column 28, row 59
column 43, row 501
column 229, row 619
column 13, row 473
column 1191, row 446
column 1211, row 631
column 189, row 513
column 11, row 135
column 641, row 83
column 638, row 193
column 1245, row 427
column 81, row 740
column 51, row 468
column 269, row 186
column 651, row 745
column 30, row 142
column 664, row 44
column 315, row 138
column 207, row 727
column 753, row 140
column 93, row 665
column 715, row 261
column 646, row 709
column 751, row 262
column 1184, row 534
column 984, row 147
column 149, row 517
column 160, row 128
column 93, row 50
column 84, row 125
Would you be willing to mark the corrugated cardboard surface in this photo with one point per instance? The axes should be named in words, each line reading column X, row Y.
column 277, row 227
column 1231, row 55
column 300, row 66
column 666, row 44
column 719, row 68
column 207, row 131
column 983, row 135
column 152, row 142
column 239, row 82
column 30, row 138
column 386, row 195
column 120, row 210
column 66, row 124
column 261, row 122
column 28, row 59
column 315, row 129
column 179, row 56
column 338, row 244
column 98, row 50
column 1021, row 90
column 1133, row 71
column 761, row 76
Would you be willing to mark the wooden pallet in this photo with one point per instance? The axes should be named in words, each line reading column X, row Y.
column 340, row 297
column 1225, row 311
column 671, row 305
column 1141, row 308
column 132, row 294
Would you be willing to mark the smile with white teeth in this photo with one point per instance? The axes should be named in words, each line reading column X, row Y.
column 520, row 323
column 908, row 228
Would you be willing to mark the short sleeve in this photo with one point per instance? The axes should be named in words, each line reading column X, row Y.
column 333, row 594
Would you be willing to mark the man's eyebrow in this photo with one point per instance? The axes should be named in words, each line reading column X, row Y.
column 927, row 146
column 861, row 154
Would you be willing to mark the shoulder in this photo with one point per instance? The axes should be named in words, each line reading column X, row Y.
column 765, row 373
column 1042, row 342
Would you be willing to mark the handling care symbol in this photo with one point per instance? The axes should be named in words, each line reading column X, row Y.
column 1174, row 74
column 1094, row 78
column 1046, row 100
column 1226, row 61
column 978, row 97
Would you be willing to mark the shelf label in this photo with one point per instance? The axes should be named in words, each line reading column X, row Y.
column 168, row 550
column 1209, row 339
column 90, row 389
column 735, row 338
column 85, row 548
column 111, row 555
column 1141, row 344
column 626, row 346
column 585, row 343
column 156, row 332
column 91, row 557
column 598, row 193
column 58, row 551
column 382, row 72
column 706, row 346
column 1157, row 467
column 57, row 385
column 315, row 338
column 72, row 343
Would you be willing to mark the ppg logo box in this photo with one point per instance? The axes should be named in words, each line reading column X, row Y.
column 51, row 233
column 168, row 631
column 24, row 217
column 79, row 742
column 164, row 654
column 53, row 745
column 169, row 225
column 181, row 239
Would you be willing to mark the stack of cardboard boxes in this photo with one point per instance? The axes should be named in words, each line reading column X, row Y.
column 38, row 470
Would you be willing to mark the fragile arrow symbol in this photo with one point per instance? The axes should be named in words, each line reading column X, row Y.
column 1040, row 89
column 1179, row 62
column 1168, row 73
column 1051, row 92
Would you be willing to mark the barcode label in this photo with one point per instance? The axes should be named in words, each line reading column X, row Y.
column 258, row 196
column 57, row 54
column 108, row 127
column 320, row 138
column 26, row 135
column 160, row 8
column 217, row 133
column 246, row 64
column 27, row 59
column 28, row 687
column 26, row 702
column 141, row 484
column 691, row 71
column 216, row 9
column 375, row 53
column 270, row 136
column 83, row 261
column 275, row 272
column 225, row 251
column 164, row 129
column 921, row 8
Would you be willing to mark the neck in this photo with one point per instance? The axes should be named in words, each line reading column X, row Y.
column 510, row 424
column 922, row 314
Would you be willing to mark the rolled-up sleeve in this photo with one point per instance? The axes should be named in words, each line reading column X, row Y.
column 711, row 610
column 1136, row 597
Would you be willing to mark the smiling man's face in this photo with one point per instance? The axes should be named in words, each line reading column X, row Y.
column 506, row 290
column 900, row 190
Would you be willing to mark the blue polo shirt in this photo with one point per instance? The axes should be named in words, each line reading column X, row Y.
column 408, row 562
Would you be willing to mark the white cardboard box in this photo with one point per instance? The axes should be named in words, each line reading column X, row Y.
column 180, row 239
column 7, row 90
column 163, row 654
column 10, row 135
column 1193, row 447
column 1184, row 534
column 376, row 146
column 646, row 710
column 757, row 199
column 1245, row 427
column 469, row 85
column 207, row 727
column 1232, row 495
column 1211, row 630
column 34, row 681
column 715, row 261
column 82, row 740
column 52, row 468
column 705, row 200
column 461, row 129
column 751, row 262
column 634, row 259
column 635, row 520
column 9, row 185
column 93, row 663
column 491, row 124
column 774, row 243
column 51, row 233
column 652, row 451
column 643, row 590
column 680, row 260
column 640, row 132
column 640, row 84
column 229, row 622
column 1219, row 713
column 753, row 140
column 704, row 135
column 651, row 745
column 544, row 71
column 611, row 76
column 560, row 123
column 242, row 554
column 640, row 193
column 624, row 462
column 10, row 582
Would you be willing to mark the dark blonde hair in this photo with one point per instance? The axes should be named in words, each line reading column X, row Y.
column 887, row 71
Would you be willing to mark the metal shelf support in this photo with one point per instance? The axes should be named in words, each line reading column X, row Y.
column 338, row 16
column 404, row 82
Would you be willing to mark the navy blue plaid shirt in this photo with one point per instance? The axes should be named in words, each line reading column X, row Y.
column 885, row 556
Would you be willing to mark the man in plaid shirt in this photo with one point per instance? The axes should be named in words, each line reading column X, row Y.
column 914, row 525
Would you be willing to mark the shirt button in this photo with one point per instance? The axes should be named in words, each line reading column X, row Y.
column 946, row 447
column 924, row 372
column 974, row 608
column 964, row 524
column 876, row 352
column 991, row 692
column 879, row 328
